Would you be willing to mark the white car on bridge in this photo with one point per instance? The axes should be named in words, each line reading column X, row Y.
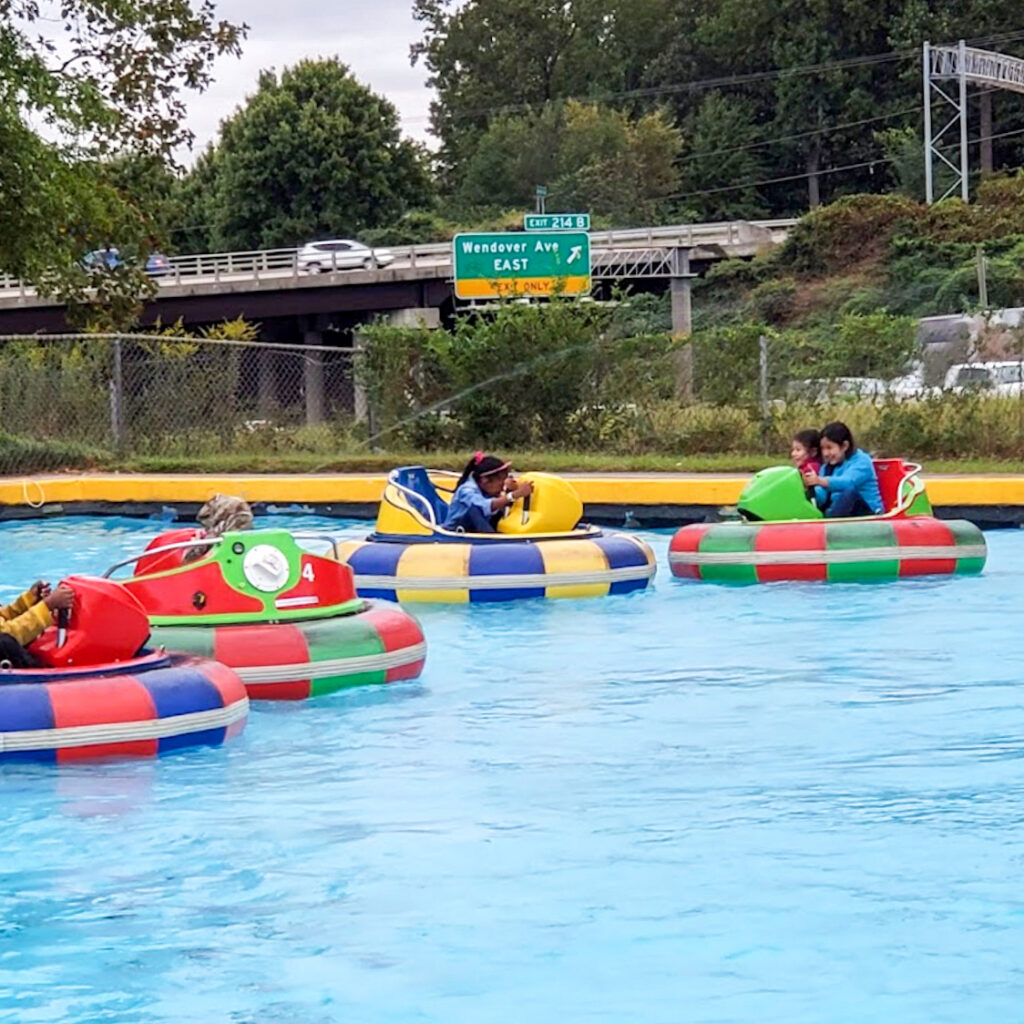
column 340, row 254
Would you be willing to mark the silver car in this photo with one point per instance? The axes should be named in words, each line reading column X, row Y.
column 340, row 254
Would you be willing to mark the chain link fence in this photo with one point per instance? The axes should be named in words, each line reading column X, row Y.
column 71, row 400
column 606, row 381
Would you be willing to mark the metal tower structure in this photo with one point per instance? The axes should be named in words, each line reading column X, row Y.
column 959, row 64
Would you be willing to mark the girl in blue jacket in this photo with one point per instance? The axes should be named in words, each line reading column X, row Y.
column 485, row 489
column 847, row 484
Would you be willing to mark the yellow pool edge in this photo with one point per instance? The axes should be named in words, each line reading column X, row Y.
column 361, row 489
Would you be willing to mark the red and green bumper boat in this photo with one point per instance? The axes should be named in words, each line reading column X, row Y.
column 286, row 619
column 782, row 535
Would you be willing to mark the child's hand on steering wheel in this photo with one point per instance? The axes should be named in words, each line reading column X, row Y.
column 60, row 599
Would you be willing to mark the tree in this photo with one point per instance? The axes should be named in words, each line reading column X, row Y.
column 593, row 158
column 105, row 80
column 722, row 154
column 312, row 153
column 491, row 58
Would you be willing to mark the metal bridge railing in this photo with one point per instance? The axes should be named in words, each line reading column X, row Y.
column 255, row 264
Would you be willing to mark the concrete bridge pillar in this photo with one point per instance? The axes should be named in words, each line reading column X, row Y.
column 313, row 376
column 681, row 291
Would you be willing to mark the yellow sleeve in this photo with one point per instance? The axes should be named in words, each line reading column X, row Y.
column 29, row 625
column 14, row 609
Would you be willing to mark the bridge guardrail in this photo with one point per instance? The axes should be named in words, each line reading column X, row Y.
column 254, row 263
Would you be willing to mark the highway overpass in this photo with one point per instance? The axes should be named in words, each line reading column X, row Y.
column 267, row 286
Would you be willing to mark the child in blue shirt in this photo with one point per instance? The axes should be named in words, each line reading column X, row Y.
column 847, row 484
column 483, row 492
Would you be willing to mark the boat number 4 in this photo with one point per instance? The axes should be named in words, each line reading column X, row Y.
column 308, row 574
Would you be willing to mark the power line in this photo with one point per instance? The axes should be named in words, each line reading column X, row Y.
column 787, row 177
column 729, row 80
column 818, row 131
column 824, row 171
column 802, row 135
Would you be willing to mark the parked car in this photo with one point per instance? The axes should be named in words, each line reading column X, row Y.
column 340, row 254
column 157, row 264
column 1005, row 377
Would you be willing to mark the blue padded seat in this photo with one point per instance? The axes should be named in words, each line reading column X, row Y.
column 415, row 478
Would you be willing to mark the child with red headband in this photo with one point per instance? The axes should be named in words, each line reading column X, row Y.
column 485, row 489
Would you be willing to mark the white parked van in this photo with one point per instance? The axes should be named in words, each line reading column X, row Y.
column 994, row 378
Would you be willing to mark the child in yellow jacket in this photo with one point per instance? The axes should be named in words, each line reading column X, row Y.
column 25, row 619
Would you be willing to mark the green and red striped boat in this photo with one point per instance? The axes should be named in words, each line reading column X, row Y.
column 906, row 540
column 288, row 621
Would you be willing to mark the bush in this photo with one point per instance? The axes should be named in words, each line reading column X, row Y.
column 845, row 233
column 517, row 374
column 774, row 301
column 403, row 372
column 736, row 273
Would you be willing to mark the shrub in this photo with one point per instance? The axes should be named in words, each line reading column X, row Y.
column 403, row 372
column 519, row 372
column 774, row 301
column 845, row 233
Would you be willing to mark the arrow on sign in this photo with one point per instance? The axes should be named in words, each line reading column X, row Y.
column 575, row 253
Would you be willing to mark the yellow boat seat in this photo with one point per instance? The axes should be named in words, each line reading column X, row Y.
column 554, row 507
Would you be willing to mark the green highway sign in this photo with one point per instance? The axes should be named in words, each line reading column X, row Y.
column 557, row 222
column 490, row 266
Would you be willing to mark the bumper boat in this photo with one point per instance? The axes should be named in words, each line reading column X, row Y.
column 100, row 694
column 783, row 536
column 538, row 551
column 286, row 619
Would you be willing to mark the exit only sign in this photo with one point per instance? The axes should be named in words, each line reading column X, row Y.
column 492, row 266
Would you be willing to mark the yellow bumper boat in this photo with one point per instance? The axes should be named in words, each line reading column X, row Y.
column 538, row 551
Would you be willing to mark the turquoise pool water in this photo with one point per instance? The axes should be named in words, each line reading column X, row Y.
column 698, row 804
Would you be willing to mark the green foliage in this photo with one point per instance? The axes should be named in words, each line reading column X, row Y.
column 844, row 233
column 105, row 79
column 56, row 389
column 28, row 455
column 404, row 374
column 720, row 150
column 591, row 157
column 729, row 275
column 727, row 358
column 726, row 363
column 312, row 154
column 522, row 371
column 486, row 57
column 559, row 373
column 902, row 147
column 417, row 227
column 801, row 114
column 951, row 427
column 773, row 302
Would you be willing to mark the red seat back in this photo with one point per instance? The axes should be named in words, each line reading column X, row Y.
column 107, row 624
column 148, row 564
column 890, row 473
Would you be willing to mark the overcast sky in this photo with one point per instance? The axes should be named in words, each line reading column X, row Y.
column 371, row 36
